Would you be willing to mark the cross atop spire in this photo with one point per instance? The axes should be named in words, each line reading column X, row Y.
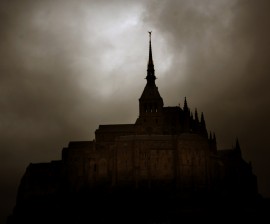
column 150, row 68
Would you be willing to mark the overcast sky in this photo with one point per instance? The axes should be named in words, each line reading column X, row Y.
column 68, row 66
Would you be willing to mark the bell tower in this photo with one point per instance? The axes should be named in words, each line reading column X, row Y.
column 150, row 103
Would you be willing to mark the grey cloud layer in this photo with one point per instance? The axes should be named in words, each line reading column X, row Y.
column 52, row 77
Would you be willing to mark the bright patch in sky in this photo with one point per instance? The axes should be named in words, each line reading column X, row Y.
column 106, row 45
column 122, row 42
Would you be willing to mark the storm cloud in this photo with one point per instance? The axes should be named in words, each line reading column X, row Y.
column 68, row 66
column 220, row 54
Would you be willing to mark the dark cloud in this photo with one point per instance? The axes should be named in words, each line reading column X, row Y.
column 41, row 107
column 53, row 81
column 68, row 66
column 221, row 54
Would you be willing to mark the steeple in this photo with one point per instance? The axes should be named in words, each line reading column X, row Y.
column 150, row 103
column 150, row 68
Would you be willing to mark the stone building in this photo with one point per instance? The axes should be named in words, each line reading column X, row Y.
column 166, row 148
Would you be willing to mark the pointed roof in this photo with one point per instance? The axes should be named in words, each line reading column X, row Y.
column 150, row 91
column 150, row 60
column 150, row 68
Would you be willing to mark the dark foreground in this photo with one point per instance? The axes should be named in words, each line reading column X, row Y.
column 126, row 206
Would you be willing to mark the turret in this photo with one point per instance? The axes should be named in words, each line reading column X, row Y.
column 195, row 122
column 203, row 129
column 186, row 116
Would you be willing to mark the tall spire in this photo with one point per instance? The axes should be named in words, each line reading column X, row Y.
column 150, row 61
column 150, row 68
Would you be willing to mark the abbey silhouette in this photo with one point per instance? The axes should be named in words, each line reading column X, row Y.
column 166, row 159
